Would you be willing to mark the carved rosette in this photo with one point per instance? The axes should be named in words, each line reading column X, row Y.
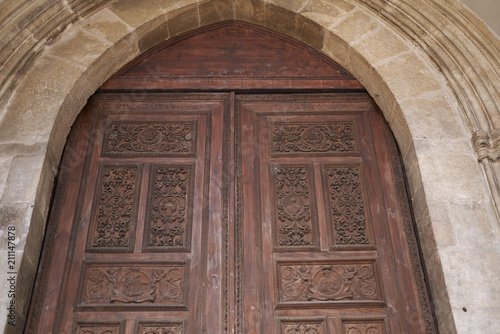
column 302, row 326
column 328, row 137
column 347, row 208
column 98, row 327
column 114, row 213
column 169, row 216
column 317, row 284
column 150, row 138
column 293, row 226
column 170, row 327
column 134, row 285
column 363, row 327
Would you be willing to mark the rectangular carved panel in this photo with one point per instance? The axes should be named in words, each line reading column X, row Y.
column 349, row 225
column 302, row 326
column 363, row 326
column 134, row 285
column 327, row 284
column 295, row 222
column 114, row 212
column 170, row 209
column 161, row 327
column 318, row 138
column 125, row 138
column 98, row 327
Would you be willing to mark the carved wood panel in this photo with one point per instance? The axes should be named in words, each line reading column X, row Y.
column 98, row 327
column 161, row 327
column 169, row 214
column 315, row 168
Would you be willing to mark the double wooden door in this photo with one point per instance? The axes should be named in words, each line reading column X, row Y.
column 224, row 213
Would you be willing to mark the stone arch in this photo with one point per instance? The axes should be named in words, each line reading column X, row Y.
column 430, row 111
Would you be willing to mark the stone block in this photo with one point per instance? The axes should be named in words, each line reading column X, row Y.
column 22, row 181
column 442, row 226
column 249, row 11
column 381, row 45
column 280, row 19
column 34, row 105
column 438, row 146
column 474, row 223
column 308, row 32
column 214, row 11
column 292, row 5
column 453, row 178
column 80, row 47
column 171, row 5
column 19, row 217
column 5, row 162
column 183, row 19
column 152, row 33
column 106, row 25
column 432, row 118
column 335, row 48
column 408, row 76
column 472, row 320
column 472, row 276
column 136, row 14
column 354, row 26
column 326, row 13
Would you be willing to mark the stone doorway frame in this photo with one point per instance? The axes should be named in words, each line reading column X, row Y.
column 436, row 78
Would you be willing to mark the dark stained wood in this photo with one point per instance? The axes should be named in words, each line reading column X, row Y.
column 226, row 212
column 232, row 56
column 298, row 149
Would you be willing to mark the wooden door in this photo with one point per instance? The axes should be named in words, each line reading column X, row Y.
column 324, row 239
column 224, row 213
column 137, row 218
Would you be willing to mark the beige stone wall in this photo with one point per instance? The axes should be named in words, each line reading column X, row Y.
column 432, row 67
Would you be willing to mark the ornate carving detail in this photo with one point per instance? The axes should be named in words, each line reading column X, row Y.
column 165, row 138
column 334, row 137
column 487, row 144
column 164, row 327
column 347, row 208
column 114, row 209
column 293, row 214
column 327, row 282
column 169, row 215
column 98, row 327
column 365, row 326
column 303, row 326
column 119, row 284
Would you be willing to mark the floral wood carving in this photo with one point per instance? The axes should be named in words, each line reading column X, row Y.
column 169, row 215
column 137, row 285
column 293, row 214
column 319, row 283
column 347, row 208
column 161, row 328
column 363, row 327
column 165, row 138
column 306, row 326
column 334, row 137
column 102, row 327
column 114, row 216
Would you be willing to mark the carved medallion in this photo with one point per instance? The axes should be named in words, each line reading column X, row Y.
column 149, row 138
column 115, row 207
column 302, row 326
column 164, row 327
column 374, row 326
column 328, row 137
column 347, row 208
column 293, row 222
column 134, row 285
column 98, row 327
column 169, row 217
column 327, row 282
